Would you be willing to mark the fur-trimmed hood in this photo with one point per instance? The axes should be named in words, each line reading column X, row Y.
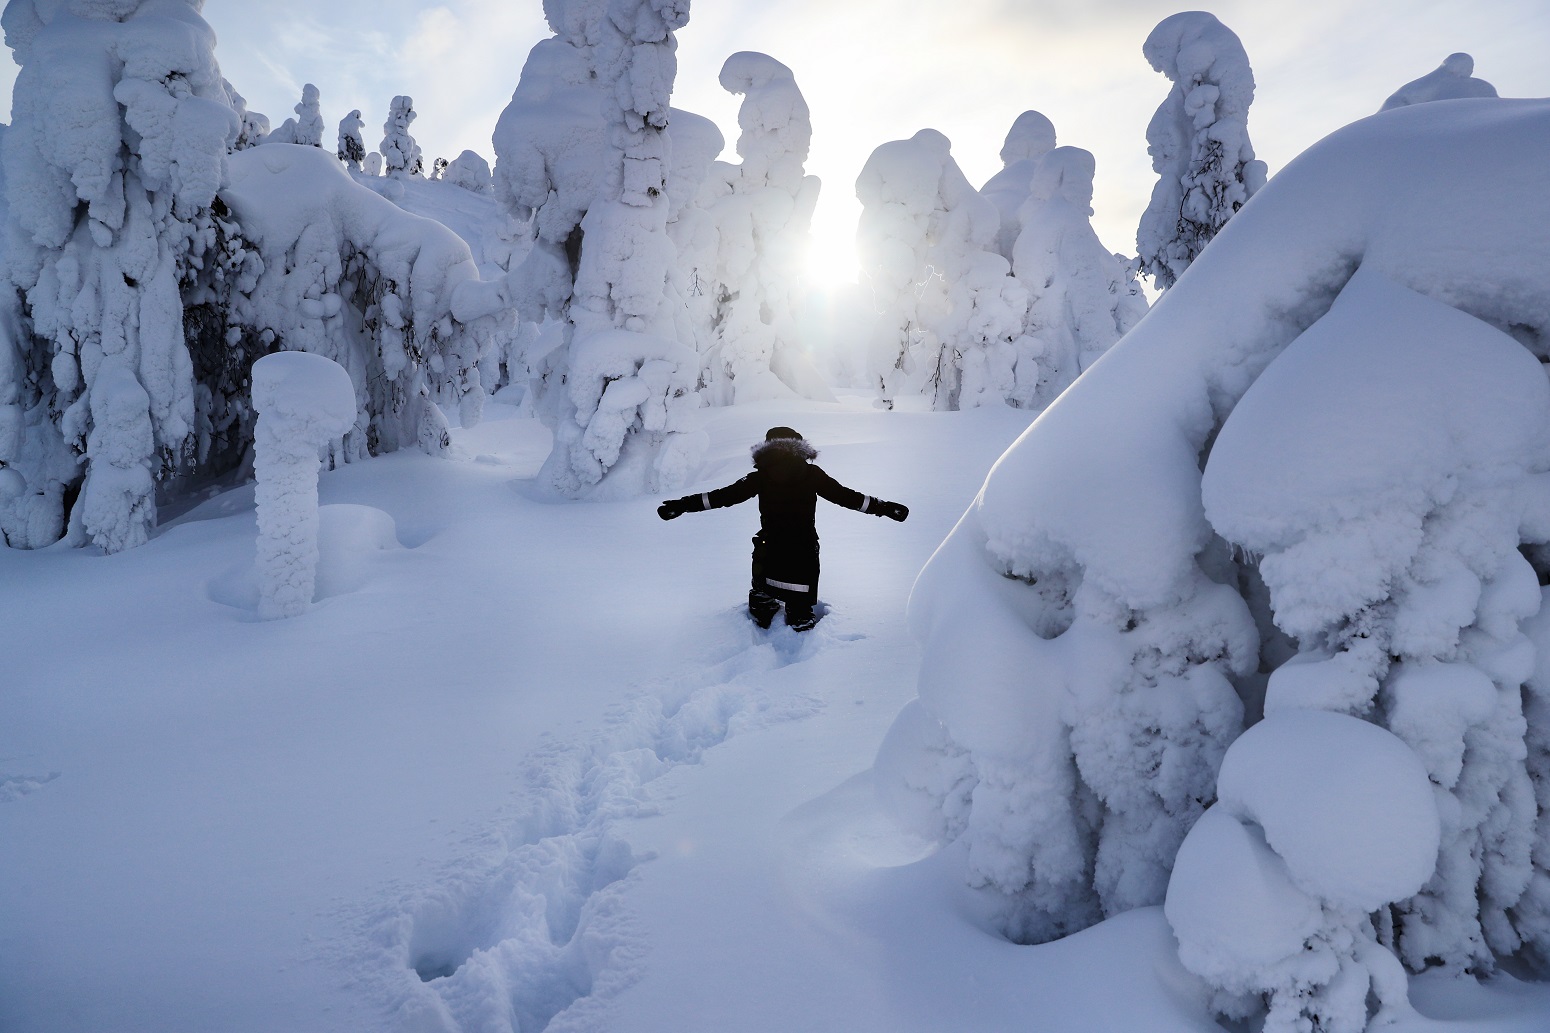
column 782, row 450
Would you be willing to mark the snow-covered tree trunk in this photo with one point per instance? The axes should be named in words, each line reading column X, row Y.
column 122, row 126
column 1198, row 140
column 1083, row 297
column 946, row 300
column 304, row 401
column 617, row 388
column 400, row 154
column 763, row 209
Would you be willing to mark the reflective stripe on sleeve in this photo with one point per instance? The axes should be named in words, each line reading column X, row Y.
column 705, row 499
column 788, row 586
column 866, row 507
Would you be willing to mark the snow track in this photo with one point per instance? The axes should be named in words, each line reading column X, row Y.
column 531, row 929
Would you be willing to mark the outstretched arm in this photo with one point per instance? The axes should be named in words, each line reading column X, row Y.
column 840, row 495
column 731, row 495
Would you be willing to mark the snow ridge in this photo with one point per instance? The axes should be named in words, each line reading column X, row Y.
column 530, row 930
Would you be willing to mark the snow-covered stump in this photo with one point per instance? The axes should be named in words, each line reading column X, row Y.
column 304, row 401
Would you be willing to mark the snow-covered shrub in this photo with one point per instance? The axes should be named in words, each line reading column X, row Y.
column 393, row 298
column 1321, row 819
column 400, row 154
column 1031, row 137
column 763, row 208
column 352, row 148
column 122, row 127
column 1083, row 297
column 1090, row 639
column 303, row 402
column 1453, row 79
column 1198, row 140
column 947, row 303
column 469, row 171
column 252, row 125
column 582, row 152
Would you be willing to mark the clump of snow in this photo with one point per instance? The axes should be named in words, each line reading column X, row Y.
column 1452, row 79
column 1320, row 819
column 1091, row 640
column 303, row 401
column 949, row 313
column 1198, row 140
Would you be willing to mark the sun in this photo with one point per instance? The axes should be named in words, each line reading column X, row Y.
column 831, row 253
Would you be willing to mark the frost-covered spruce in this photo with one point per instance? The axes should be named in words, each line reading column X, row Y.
column 1451, row 80
column 309, row 119
column 393, row 298
column 352, row 148
column 763, row 209
column 469, row 171
column 253, row 126
column 122, row 127
column 947, row 304
column 304, row 402
column 1031, row 137
column 1357, row 370
column 400, row 154
column 582, row 150
column 1083, row 297
column 1198, row 140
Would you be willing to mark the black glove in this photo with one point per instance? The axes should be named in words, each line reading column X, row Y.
column 893, row 511
column 669, row 510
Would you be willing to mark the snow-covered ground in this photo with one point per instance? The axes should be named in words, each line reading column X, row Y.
column 522, row 766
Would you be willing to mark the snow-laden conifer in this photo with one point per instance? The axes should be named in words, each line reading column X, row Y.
column 1198, row 140
column 763, row 208
column 1031, row 137
column 351, row 148
column 582, row 150
column 1348, row 388
column 1082, row 297
column 122, row 127
column 926, row 242
column 400, row 154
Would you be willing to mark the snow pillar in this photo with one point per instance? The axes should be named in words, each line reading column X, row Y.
column 303, row 401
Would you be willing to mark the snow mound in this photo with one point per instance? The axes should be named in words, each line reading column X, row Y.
column 354, row 542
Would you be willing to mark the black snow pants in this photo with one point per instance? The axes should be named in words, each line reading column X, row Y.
column 785, row 570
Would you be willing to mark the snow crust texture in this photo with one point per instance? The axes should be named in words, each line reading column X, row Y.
column 1307, row 491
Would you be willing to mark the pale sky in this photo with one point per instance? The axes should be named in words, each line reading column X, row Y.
column 874, row 70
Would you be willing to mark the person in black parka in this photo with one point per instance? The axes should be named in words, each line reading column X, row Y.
column 785, row 551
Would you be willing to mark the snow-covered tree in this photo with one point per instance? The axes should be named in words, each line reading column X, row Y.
column 1031, row 137
column 122, row 127
column 1453, row 79
column 469, row 171
column 945, row 297
column 1083, row 297
column 306, row 129
column 400, row 154
column 763, row 209
column 582, row 152
column 252, row 125
column 1348, row 389
column 1198, row 140
column 341, row 272
column 352, row 148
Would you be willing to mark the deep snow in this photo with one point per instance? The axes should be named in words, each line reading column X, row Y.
column 522, row 765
